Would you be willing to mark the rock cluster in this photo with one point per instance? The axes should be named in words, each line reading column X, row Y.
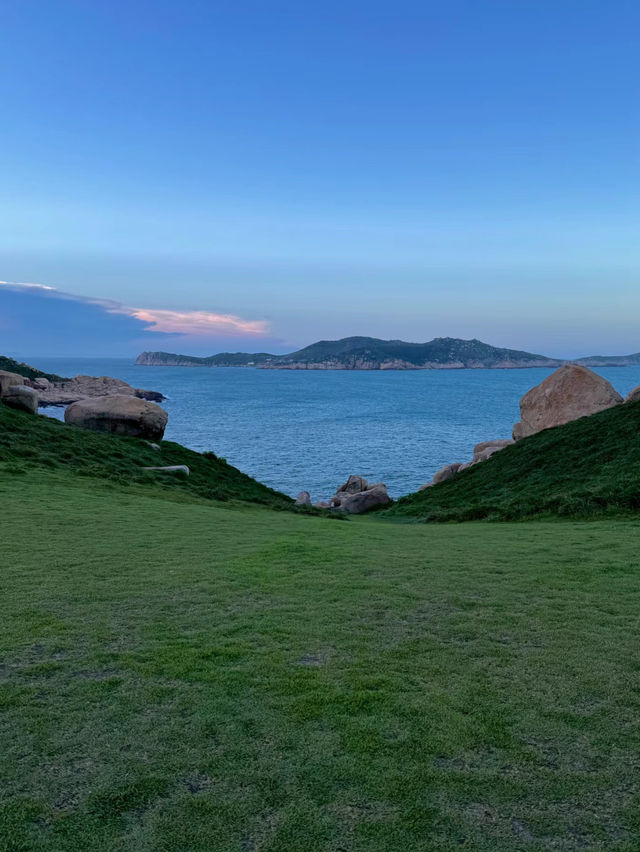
column 354, row 497
column 84, row 387
column 570, row 392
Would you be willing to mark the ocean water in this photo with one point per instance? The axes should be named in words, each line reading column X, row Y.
column 296, row 430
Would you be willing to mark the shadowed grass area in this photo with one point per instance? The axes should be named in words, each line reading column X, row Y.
column 187, row 676
column 28, row 442
column 587, row 468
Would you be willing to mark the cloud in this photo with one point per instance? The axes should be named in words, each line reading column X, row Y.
column 197, row 322
column 43, row 319
column 193, row 323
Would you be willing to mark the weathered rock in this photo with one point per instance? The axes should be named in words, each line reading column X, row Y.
column 120, row 415
column 39, row 384
column 8, row 380
column 425, row 486
column 21, row 397
column 355, row 504
column 303, row 499
column 353, row 485
column 153, row 446
column 485, row 454
column 498, row 444
column 172, row 468
column 446, row 472
column 88, row 387
column 633, row 395
column 322, row 504
column 570, row 392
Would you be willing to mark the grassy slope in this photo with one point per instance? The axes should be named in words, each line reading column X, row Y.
column 186, row 677
column 587, row 468
column 35, row 442
column 25, row 370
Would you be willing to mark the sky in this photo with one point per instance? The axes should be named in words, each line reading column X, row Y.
column 203, row 176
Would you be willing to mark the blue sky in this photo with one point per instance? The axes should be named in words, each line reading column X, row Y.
column 405, row 170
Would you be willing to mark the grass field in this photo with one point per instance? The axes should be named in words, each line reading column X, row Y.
column 180, row 676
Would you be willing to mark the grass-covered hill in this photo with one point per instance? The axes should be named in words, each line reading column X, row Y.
column 26, row 370
column 366, row 353
column 587, row 468
column 38, row 442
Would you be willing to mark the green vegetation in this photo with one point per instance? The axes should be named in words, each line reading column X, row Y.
column 25, row 370
column 587, row 468
column 351, row 351
column 35, row 442
column 181, row 676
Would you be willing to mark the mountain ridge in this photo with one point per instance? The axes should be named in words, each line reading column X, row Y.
column 367, row 353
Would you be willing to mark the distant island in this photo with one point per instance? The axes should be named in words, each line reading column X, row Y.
column 370, row 353
column 366, row 353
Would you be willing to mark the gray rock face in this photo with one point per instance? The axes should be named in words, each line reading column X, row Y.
column 303, row 499
column 120, row 415
column 633, row 395
column 570, row 392
column 40, row 384
column 8, row 380
column 22, row 398
column 446, row 472
column 355, row 504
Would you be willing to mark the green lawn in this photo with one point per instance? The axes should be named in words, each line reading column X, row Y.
column 179, row 676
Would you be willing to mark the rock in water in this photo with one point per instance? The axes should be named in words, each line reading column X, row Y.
column 303, row 499
column 120, row 415
column 570, row 392
column 8, row 380
column 22, row 398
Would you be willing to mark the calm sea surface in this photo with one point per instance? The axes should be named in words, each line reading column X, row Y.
column 309, row 430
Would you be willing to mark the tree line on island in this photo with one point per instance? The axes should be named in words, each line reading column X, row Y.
column 370, row 353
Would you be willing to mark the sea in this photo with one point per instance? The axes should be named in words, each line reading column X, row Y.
column 310, row 429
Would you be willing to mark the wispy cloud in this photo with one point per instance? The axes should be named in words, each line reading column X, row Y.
column 195, row 324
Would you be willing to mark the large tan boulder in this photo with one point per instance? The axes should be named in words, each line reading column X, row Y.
column 633, row 395
column 120, row 415
column 572, row 391
column 22, row 398
column 353, row 485
column 8, row 380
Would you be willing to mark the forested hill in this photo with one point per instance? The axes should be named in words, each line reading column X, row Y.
column 366, row 353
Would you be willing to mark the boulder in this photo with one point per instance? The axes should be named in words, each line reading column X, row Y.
column 303, row 499
column 322, row 504
column 633, row 395
column 22, row 398
column 8, row 380
column 355, row 504
column 485, row 454
column 570, row 392
column 446, row 472
column 425, row 486
column 353, row 485
column 83, row 387
column 40, row 384
column 120, row 415
column 498, row 444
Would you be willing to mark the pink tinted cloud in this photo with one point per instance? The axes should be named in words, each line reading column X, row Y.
column 197, row 323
